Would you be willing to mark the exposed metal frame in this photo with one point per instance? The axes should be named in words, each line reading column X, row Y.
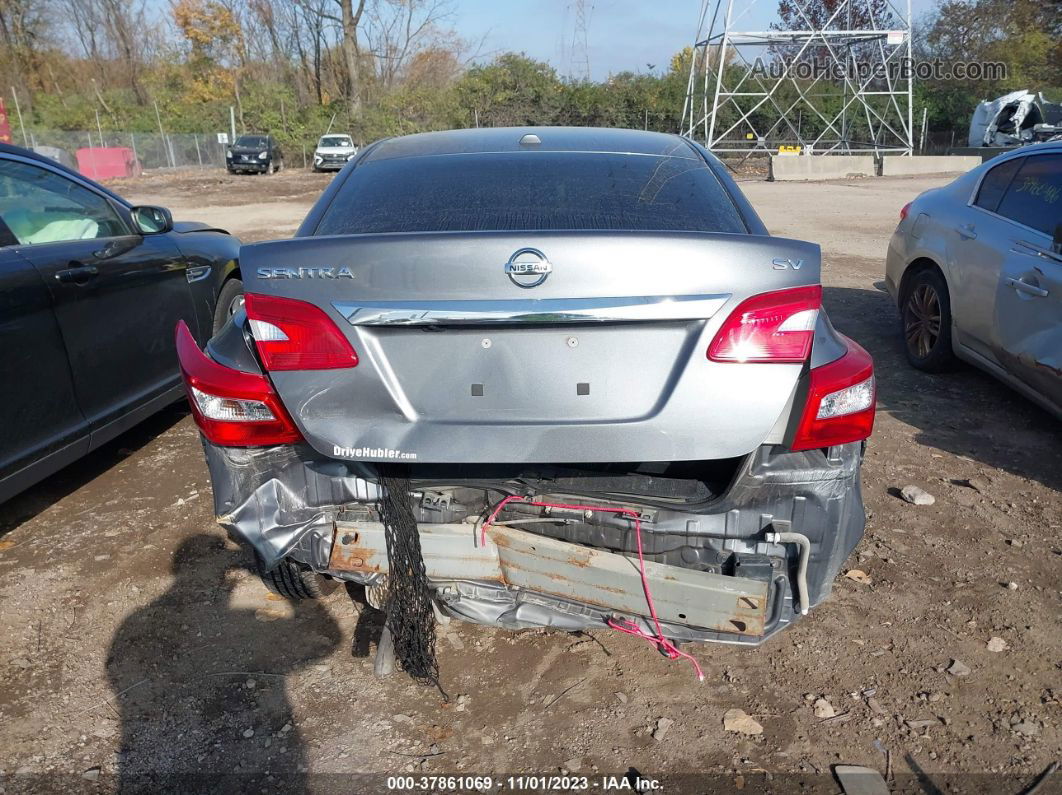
column 764, row 121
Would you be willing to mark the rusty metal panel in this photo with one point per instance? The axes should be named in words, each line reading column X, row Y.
column 569, row 571
column 450, row 551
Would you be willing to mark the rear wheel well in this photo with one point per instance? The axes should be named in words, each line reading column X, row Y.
column 920, row 265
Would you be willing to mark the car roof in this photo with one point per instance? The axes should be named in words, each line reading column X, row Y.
column 551, row 139
column 29, row 154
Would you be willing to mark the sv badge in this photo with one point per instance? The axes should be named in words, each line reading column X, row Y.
column 787, row 264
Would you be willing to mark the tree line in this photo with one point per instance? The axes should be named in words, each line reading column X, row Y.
column 374, row 68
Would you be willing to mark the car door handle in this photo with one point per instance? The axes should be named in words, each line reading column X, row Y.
column 966, row 231
column 1023, row 286
column 77, row 273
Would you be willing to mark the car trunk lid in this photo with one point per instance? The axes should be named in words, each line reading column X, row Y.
column 533, row 347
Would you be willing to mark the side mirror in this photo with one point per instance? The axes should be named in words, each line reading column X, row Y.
column 1056, row 242
column 152, row 220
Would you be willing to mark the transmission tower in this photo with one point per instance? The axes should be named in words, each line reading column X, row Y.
column 841, row 86
column 579, row 66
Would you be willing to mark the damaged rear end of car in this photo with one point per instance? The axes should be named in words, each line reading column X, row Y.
column 634, row 422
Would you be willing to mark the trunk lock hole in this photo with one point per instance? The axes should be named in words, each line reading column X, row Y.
column 738, row 625
column 582, row 388
column 349, row 538
column 477, row 390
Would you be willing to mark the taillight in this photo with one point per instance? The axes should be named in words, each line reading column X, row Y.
column 296, row 335
column 904, row 210
column 840, row 402
column 231, row 408
column 772, row 327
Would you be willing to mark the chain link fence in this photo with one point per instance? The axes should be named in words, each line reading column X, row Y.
column 151, row 150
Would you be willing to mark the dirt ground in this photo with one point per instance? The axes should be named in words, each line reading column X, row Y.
column 137, row 649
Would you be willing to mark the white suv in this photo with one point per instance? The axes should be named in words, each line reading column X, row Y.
column 333, row 152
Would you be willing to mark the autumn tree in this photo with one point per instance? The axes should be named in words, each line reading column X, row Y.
column 213, row 36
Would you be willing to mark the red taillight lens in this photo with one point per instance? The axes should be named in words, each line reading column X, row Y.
column 840, row 403
column 772, row 327
column 296, row 335
column 904, row 210
column 231, row 408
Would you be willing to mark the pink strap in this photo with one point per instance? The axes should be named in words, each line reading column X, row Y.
column 623, row 625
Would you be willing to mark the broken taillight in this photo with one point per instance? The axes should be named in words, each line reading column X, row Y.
column 904, row 210
column 840, row 401
column 771, row 327
column 296, row 335
column 231, row 408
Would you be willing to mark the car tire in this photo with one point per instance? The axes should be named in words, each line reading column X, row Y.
column 296, row 582
column 230, row 298
column 926, row 322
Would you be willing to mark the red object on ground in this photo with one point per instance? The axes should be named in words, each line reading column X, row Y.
column 107, row 162
column 5, row 125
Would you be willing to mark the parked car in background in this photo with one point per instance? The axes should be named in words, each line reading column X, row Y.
column 333, row 152
column 975, row 268
column 254, row 154
column 598, row 371
column 90, row 289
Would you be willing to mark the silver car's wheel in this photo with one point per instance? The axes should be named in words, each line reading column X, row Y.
column 927, row 322
column 922, row 321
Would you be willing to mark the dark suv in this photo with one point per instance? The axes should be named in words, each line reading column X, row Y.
column 254, row 154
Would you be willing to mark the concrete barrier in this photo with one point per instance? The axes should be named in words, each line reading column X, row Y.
column 900, row 166
column 795, row 167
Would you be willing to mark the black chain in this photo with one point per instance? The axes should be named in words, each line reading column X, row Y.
column 410, row 616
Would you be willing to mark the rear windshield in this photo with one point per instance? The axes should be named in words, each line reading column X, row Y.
column 528, row 191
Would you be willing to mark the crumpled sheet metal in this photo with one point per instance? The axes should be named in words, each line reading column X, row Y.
column 498, row 606
column 1010, row 111
column 279, row 498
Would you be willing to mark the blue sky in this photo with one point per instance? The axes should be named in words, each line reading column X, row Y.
column 623, row 34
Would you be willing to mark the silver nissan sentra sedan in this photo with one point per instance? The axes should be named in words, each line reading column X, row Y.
column 604, row 395
column 975, row 268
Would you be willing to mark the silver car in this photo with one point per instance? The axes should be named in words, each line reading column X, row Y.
column 975, row 268
column 601, row 394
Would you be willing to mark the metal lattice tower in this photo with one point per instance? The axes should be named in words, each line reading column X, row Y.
column 859, row 101
column 580, row 50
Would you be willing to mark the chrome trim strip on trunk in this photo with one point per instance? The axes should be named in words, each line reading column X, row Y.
column 551, row 310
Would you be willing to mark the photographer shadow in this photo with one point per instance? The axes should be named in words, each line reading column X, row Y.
column 200, row 683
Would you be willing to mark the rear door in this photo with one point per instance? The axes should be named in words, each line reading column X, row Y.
column 1028, row 301
column 489, row 331
column 117, row 294
column 979, row 240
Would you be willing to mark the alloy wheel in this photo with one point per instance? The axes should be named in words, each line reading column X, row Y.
column 922, row 320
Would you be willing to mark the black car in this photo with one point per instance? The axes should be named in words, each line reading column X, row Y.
column 254, row 154
column 90, row 290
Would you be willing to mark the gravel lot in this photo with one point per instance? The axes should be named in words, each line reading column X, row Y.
column 136, row 643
